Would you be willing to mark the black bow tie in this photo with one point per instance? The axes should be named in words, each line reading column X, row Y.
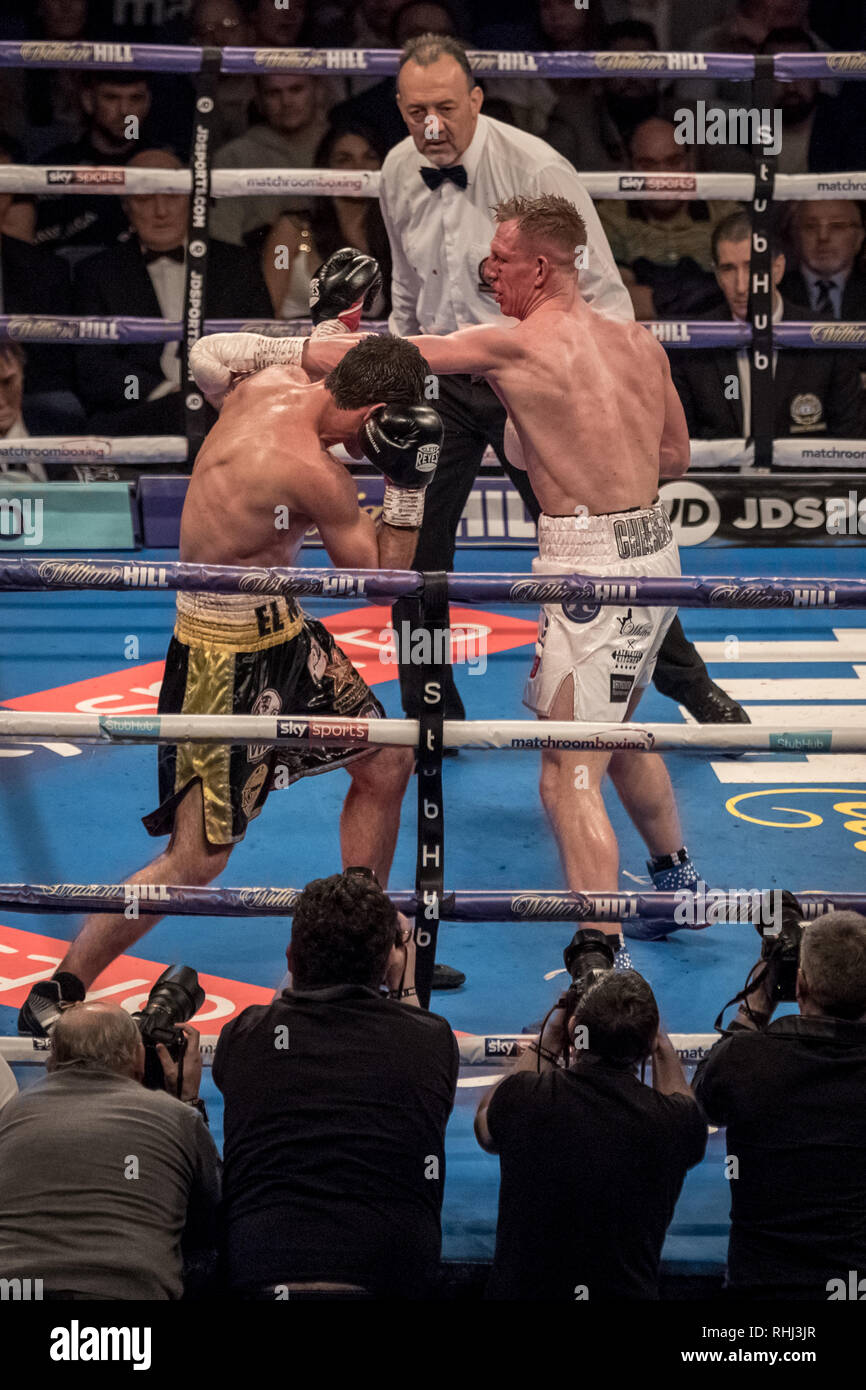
column 176, row 253
column 434, row 178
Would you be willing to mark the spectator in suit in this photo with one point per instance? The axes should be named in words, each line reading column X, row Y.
column 816, row 393
column 287, row 136
column 296, row 247
column 34, row 281
column 662, row 247
column 116, row 105
column 830, row 277
column 145, row 276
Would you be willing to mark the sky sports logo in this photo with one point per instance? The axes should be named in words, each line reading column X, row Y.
column 68, row 177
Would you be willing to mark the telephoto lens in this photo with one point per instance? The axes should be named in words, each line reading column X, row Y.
column 588, row 955
column 175, row 998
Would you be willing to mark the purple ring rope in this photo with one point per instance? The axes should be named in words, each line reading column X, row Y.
column 503, row 905
column 709, row 591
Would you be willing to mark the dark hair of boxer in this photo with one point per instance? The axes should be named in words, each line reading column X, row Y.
column 379, row 368
column 343, row 930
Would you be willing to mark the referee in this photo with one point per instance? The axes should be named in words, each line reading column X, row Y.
column 437, row 190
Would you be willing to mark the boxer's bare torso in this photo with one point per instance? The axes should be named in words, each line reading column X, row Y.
column 591, row 405
column 263, row 476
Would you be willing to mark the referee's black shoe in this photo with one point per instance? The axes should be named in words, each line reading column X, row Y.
column 712, row 706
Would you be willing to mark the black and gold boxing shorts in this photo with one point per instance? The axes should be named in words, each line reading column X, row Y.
column 239, row 654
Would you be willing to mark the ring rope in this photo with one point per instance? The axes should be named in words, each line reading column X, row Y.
column 153, row 450
column 475, row 1050
column 113, row 330
column 463, row 905
column 586, row 591
column 524, row 735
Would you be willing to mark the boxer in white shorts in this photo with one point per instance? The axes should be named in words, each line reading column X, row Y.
column 613, row 653
column 595, row 420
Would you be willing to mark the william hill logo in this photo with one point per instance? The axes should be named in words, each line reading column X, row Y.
column 846, row 62
column 838, row 333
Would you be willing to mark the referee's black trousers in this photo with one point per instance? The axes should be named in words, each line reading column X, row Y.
column 474, row 418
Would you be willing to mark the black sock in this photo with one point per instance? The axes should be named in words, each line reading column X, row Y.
column 71, row 988
column 668, row 861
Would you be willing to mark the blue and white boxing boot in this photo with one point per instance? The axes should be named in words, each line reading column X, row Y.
column 669, row 872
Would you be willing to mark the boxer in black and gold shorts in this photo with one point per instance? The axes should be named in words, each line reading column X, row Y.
column 243, row 654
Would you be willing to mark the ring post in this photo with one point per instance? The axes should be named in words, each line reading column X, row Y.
column 429, row 876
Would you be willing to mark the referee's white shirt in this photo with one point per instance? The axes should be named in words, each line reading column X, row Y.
column 438, row 239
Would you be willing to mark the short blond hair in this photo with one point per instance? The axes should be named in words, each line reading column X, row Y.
column 549, row 219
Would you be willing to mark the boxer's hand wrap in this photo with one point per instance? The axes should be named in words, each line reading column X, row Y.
column 218, row 357
column 403, row 442
column 341, row 289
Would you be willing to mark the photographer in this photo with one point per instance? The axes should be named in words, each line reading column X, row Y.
column 791, row 1093
column 336, row 1102
column 102, row 1181
column 592, row 1160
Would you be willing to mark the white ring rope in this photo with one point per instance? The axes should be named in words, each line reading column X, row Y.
column 301, row 731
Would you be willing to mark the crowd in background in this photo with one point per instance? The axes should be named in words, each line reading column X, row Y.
column 125, row 255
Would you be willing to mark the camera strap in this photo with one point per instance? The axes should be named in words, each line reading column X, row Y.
column 742, row 998
column 183, row 1043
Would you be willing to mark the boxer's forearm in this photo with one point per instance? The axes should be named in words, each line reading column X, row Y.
column 397, row 546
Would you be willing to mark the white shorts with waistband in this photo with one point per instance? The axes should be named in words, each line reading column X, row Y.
column 611, row 652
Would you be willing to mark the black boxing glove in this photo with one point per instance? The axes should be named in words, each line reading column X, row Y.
column 342, row 288
column 403, row 442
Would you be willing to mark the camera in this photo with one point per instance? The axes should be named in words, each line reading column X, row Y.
column 781, row 953
column 175, row 998
column 588, row 956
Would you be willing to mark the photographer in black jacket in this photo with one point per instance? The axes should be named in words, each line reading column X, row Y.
column 592, row 1160
column 336, row 1100
column 791, row 1096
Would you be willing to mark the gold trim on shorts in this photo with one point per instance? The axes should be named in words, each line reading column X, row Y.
column 215, row 628
column 232, row 623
